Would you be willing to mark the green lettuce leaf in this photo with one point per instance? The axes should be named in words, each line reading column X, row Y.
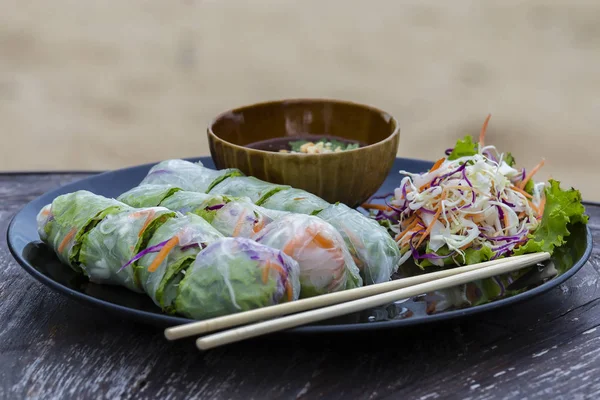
column 464, row 148
column 563, row 209
column 472, row 256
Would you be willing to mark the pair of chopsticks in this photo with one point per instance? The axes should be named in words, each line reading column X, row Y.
column 327, row 306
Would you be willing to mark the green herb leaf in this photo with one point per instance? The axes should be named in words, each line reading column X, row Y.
column 530, row 186
column 510, row 160
column 464, row 148
column 296, row 144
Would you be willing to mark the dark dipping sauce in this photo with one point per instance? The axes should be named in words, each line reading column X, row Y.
column 283, row 143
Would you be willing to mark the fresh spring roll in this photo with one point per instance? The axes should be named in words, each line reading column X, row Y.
column 147, row 195
column 236, row 274
column 326, row 265
column 376, row 253
column 295, row 200
column 66, row 222
column 115, row 240
column 187, row 175
column 247, row 186
column 160, row 272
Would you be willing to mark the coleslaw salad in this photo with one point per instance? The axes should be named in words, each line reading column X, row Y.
column 474, row 205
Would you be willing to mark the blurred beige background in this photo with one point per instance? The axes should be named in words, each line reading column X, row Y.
column 107, row 84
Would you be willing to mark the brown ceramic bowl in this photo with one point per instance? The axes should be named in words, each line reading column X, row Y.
column 350, row 177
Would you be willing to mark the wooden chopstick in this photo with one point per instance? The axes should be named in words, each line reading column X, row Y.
column 214, row 324
column 290, row 321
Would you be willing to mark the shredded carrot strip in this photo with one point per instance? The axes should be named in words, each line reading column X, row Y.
column 290, row 247
column 410, row 227
column 46, row 212
column 522, row 215
column 407, row 236
column 148, row 221
column 437, row 164
column 483, row 130
column 537, row 210
column 239, row 224
column 324, row 242
column 466, row 246
column 259, row 225
column 524, row 193
column 277, row 268
column 380, row 207
column 67, row 239
column 435, row 218
column 506, row 222
column 531, row 174
column 299, row 198
column 163, row 253
column 430, row 227
column 320, row 240
column 268, row 267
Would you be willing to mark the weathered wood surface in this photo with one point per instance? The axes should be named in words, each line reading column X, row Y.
column 52, row 347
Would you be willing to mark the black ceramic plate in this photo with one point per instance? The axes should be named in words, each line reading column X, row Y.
column 42, row 264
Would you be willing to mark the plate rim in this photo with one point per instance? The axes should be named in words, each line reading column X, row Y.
column 164, row 319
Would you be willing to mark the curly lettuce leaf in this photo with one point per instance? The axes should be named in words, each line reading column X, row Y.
column 464, row 148
column 563, row 209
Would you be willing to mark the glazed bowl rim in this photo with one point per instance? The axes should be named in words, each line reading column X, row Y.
column 387, row 116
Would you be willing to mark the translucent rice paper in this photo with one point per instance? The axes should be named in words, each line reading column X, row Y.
column 376, row 253
column 187, row 175
column 194, row 234
column 192, row 202
column 326, row 265
column 236, row 274
column 147, row 195
column 247, row 186
column 242, row 218
column 115, row 240
column 64, row 224
column 295, row 200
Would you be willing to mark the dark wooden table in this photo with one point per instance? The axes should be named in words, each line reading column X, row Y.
column 52, row 347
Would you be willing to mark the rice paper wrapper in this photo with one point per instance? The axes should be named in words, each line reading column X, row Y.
column 115, row 241
column 147, row 195
column 234, row 275
column 242, row 218
column 202, row 204
column 194, row 234
column 247, row 186
column 64, row 224
column 187, row 175
column 326, row 265
column 376, row 253
column 295, row 200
